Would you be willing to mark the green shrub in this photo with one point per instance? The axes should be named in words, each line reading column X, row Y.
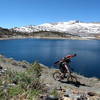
column 28, row 81
column 2, row 94
column 54, row 92
column 35, row 69
column 13, row 91
column 33, row 94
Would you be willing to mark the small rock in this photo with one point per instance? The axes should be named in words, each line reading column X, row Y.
column 75, row 92
column 91, row 94
column 51, row 97
column 24, row 66
column 1, row 67
column 12, row 84
column 66, row 98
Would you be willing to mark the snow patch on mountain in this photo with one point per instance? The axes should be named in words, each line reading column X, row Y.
column 72, row 27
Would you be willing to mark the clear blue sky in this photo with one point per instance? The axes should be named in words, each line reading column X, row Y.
column 33, row 12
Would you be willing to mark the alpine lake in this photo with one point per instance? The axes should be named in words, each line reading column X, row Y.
column 48, row 51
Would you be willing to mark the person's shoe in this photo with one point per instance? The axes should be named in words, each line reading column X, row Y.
column 62, row 77
column 65, row 76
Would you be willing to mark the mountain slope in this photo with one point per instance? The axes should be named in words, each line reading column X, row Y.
column 71, row 27
column 5, row 33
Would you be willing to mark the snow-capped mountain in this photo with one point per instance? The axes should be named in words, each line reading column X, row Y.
column 71, row 27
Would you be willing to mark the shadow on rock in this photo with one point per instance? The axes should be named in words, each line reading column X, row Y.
column 77, row 84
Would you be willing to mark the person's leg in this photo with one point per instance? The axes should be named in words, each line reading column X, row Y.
column 66, row 68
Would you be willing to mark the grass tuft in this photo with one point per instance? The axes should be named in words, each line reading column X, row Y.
column 14, row 84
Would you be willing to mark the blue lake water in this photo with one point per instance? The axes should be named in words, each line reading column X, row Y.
column 48, row 51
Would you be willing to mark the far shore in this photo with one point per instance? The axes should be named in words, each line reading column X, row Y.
column 38, row 37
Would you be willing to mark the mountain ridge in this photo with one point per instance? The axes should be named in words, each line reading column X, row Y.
column 73, row 27
column 58, row 29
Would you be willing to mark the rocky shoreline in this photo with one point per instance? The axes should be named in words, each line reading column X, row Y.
column 88, row 87
column 38, row 37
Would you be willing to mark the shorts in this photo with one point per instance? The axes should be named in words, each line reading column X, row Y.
column 63, row 68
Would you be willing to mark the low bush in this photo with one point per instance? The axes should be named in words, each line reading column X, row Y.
column 14, row 83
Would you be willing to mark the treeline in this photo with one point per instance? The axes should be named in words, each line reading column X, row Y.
column 7, row 33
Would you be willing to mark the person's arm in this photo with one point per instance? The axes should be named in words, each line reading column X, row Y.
column 59, row 61
column 56, row 62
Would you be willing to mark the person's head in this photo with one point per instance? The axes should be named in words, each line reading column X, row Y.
column 75, row 54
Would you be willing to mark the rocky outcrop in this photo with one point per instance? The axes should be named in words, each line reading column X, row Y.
column 85, row 89
column 12, row 64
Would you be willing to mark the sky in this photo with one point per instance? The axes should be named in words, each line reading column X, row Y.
column 17, row 13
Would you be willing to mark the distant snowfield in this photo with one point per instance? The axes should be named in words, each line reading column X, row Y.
column 72, row 27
